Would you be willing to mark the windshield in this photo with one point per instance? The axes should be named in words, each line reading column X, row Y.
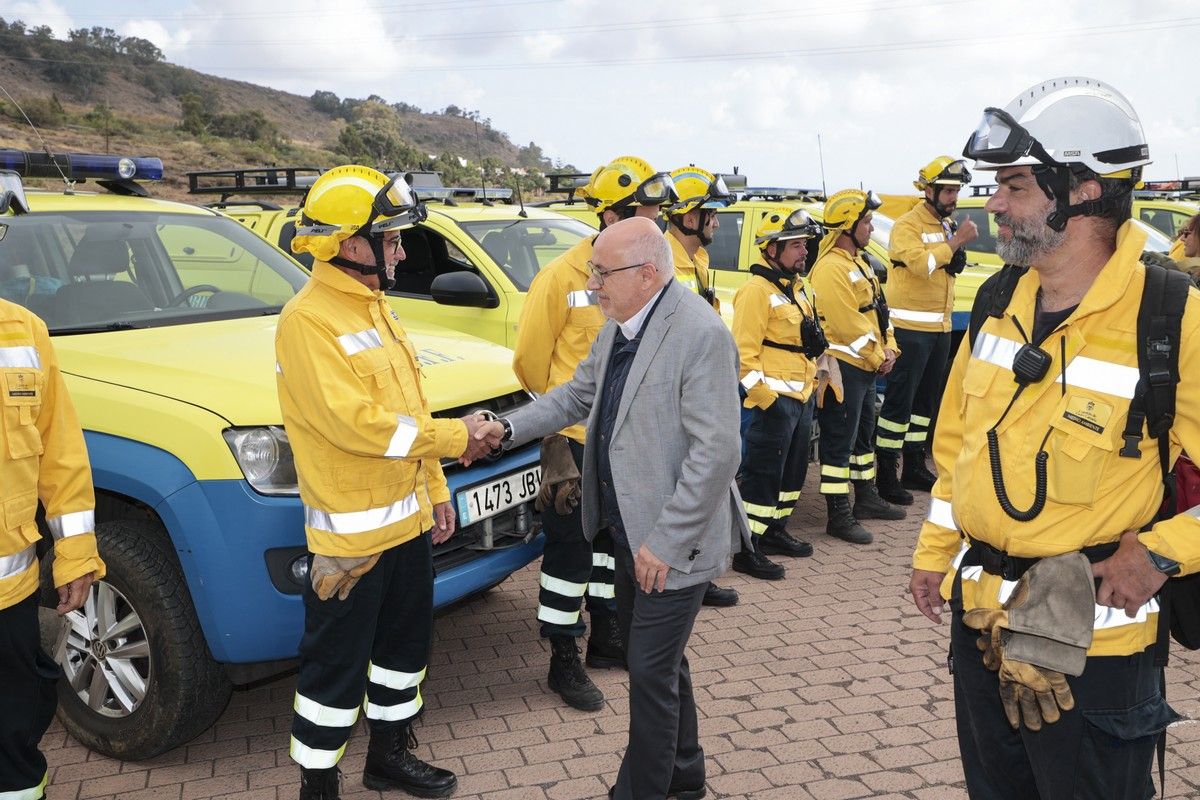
column 523, row 247
column 882, row 234
column 102, row 269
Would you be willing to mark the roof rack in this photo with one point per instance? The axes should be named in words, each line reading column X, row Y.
column 256, row 180
column 117, row 174
column 567, row 183
column 986, row 190
column 781, row 193
column 1182, row 189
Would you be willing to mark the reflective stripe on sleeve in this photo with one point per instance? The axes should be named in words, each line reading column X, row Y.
column 941, row 512
column 931, row 264
column 403, row 438
column 312, row 758
column 855, row 347
column 396, row 713
column 325, row 716
column 16, row 563
column 393, row 678
column 347, row 522
column 72, row 524
column 20, row 357
column 561, row 587
column 581, row 299
column 357, row 342
column 917, row 316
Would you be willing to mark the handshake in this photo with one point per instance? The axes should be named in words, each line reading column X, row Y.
column 484, row 434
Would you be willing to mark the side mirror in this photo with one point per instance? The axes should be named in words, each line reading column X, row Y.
column 462, row 288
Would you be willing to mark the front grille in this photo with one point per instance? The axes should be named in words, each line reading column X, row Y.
column 509, row 528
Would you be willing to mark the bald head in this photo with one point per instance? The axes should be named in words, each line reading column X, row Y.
column 635, row 242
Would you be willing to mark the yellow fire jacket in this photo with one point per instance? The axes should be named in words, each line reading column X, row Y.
column 44, row 457
column 691, row 271
column 761, row 314
column 920, row 293
column 848, row 290
column 365, row 445
column 1079, row 409
column 559, row 322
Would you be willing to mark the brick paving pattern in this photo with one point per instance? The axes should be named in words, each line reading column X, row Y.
column 824, row 686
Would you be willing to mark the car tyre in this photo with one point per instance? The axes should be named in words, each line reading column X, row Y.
column 154, row 648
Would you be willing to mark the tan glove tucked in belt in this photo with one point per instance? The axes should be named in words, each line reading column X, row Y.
column 829, row 375
column 560, row 477
column 337, row 574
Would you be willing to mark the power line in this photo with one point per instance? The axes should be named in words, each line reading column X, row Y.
column 425, row 7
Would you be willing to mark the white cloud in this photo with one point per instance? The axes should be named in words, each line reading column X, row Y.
column 48, row 13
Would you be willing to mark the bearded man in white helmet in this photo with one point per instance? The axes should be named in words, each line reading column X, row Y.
column 1048, row 477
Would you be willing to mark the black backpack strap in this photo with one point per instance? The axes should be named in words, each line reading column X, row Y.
column 992, row 298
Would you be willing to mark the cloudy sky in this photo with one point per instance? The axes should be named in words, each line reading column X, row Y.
column 886, row 84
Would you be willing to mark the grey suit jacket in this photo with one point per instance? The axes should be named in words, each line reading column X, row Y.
column 676, row 444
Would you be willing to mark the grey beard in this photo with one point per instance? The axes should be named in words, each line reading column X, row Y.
column 1029, row 240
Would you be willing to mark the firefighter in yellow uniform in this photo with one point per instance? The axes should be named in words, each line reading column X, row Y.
column 559, row 321
column 1033, row 462
column 44, row 458
column 779, row 340
column 691, row 223
column 375, row 500
column 927, row 252
column 854, row 314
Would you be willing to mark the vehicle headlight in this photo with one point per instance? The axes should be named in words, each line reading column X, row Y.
column 265, row 457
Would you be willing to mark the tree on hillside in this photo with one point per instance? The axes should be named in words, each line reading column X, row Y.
column 326, row 103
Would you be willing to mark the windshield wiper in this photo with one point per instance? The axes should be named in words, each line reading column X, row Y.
column 97, row 328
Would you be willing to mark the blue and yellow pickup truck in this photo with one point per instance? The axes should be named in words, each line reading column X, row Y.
column 163, row 317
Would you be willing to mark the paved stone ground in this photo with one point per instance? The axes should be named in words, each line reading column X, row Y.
column 824, row 686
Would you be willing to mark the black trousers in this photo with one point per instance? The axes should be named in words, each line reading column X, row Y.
column 775, row 461
column 1103, row 749
column 847, row 430
column 573, row 568
column 375, row 643
column 664, row 739
column 914, row 391
column 27, row 699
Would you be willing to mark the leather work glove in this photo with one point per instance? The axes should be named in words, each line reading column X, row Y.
column 829, row 374
column 337, row 574
column 760, row 396
column 1033, row 694
column 560, row 488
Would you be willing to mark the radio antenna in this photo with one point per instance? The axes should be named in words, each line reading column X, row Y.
column 70, row 184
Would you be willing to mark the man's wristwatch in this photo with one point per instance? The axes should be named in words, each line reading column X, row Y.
column 1166, row 566
column 507, row 429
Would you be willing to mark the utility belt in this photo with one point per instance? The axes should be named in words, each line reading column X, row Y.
column 1011, row 568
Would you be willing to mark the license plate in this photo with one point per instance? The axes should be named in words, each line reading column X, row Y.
column 489, row 499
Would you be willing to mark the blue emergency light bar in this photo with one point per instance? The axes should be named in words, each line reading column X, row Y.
column 81, row 166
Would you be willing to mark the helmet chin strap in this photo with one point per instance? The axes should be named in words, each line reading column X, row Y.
column 705, row 239
column 378, row 269
column 943, row 211
column 1056, row 183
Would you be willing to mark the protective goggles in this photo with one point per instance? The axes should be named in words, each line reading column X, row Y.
column 954, row 172
column 1000, row 139
column 798, row 225
column 397, row 204
column 657, row 190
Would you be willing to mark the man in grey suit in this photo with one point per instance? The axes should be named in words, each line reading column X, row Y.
column 659, row 393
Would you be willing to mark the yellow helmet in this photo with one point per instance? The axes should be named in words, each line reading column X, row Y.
column 627, row 181
column 698, row 188
column 785, row 224
column 943, row 170
column 353, row 200
column 845, row 209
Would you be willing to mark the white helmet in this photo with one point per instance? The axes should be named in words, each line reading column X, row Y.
column 1061, row 126
column 1062, row 121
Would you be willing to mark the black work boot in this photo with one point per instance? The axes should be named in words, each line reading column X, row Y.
column 392, row 765
column 720, row 598
column 916, row 475
column 752, row 562
column 605, row 647
column 869, row 505
column 776, row 541
column 319, row 784
column 886, row 480
column 569, row 678
column 841, row 523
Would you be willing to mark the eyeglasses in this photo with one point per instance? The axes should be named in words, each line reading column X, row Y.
column 601, row 274
column 1185, row 233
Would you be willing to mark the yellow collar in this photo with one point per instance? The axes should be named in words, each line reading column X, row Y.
column 334, row 278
